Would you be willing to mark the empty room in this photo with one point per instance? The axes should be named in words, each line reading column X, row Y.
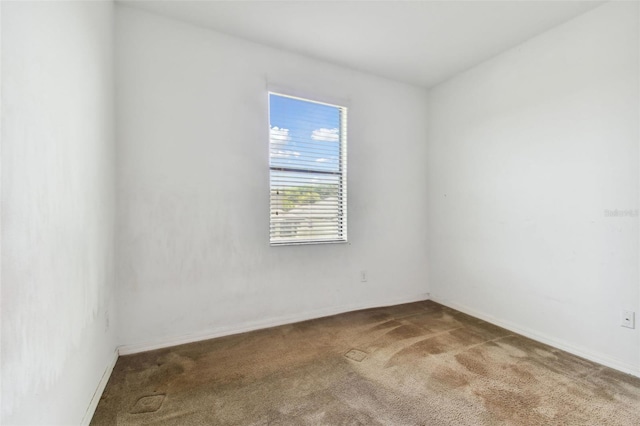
column 320, row 212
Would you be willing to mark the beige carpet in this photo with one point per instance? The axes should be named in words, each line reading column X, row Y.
column 413, row 364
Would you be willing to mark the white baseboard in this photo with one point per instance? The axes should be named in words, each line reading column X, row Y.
column 257, row 325
column 100, row 389
column 600, row 359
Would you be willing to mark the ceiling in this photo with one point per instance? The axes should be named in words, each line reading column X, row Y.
column 417, row 42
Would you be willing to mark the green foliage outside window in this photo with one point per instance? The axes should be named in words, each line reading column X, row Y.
column 294, row 196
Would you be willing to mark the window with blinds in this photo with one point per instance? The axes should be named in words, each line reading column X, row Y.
column 308, row 171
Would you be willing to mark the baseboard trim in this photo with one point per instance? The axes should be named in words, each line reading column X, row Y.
column 600, row 359
column 134, row 348
column 88, row 415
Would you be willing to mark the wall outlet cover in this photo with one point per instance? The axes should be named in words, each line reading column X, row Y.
column 628, row 319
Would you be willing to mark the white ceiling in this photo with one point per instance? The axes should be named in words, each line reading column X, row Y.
column 418, row 42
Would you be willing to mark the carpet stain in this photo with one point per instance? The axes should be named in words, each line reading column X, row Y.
column 450, row 377
column 405, row 332
column 513, row 405
column 473, row 361
column 521, row 373
column 413, row 364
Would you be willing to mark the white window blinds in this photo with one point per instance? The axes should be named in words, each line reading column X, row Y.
column 308, row 171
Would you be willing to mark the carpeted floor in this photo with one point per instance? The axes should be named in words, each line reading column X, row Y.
column 413, row 364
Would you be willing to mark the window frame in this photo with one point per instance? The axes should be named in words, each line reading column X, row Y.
column 342, row 217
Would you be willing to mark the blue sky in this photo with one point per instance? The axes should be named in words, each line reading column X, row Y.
column 303, row 134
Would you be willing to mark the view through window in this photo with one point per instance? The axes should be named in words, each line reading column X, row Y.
column 307, row 159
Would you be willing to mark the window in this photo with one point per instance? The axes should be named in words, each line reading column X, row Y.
column 308, row 171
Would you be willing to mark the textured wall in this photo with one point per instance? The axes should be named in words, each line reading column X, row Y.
column 57, row 208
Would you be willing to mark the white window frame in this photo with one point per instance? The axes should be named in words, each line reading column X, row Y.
column 341, row 227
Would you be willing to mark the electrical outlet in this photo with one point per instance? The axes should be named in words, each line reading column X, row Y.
column 363, row 276
column 628, row 319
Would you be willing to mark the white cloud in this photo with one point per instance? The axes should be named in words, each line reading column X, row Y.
column 279, row 153
column 322, row 160
column 329, row 135
column 278, row 136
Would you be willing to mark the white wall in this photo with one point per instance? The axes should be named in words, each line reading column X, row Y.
column 193, row 250
column 57, row 208
column 526, row 152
